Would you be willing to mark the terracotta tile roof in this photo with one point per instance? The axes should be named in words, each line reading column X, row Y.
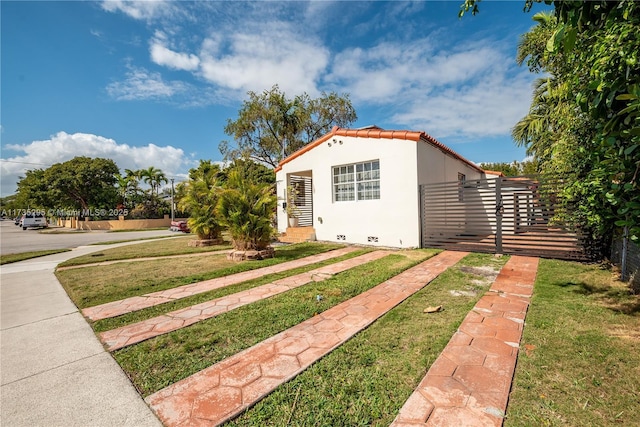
column 379, row 133
column 498, row 173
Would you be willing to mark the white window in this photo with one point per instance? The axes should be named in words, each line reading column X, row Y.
column 359, row 181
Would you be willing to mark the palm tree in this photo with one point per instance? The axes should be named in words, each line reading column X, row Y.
column 154, row 177
column 535, row 131
column 246, row 209
column 133, row 174
column 123, row 184
column 133, row 192
column 201, row 197
column 538, row 131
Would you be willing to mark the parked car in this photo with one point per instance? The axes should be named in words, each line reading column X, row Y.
column 33, row 220
column 180, row 226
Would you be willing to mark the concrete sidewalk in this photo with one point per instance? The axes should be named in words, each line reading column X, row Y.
column 54, row 371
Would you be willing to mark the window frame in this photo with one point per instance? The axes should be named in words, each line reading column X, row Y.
column 359, row 181
column 462, row 180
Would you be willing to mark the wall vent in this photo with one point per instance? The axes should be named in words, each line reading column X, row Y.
column 372, row 239
column 341, row 237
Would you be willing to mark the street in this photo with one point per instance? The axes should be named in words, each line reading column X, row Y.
column 15, row 240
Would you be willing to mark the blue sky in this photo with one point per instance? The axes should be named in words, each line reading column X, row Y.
column 151, row 83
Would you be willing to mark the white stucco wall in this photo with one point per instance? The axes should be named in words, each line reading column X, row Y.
column 395, row 218
column 436, row 166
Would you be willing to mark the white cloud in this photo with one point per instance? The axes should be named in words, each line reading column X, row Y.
column 436, row 83
column 490, row 107
column 63, row 146
column 162, row 55
column 138, row 9
column 470, row 92
column 259, row 57
column 141, row 84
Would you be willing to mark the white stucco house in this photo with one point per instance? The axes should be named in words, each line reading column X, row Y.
column 361, row 186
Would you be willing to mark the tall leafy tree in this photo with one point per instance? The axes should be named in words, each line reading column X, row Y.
column 82, row 183
column 515, row 168
column 271, row 126
column 254, row 172
column 33, row 191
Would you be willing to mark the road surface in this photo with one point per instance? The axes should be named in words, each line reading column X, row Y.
column 14, row 239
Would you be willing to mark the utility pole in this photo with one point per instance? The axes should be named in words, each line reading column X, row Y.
column 172, row 203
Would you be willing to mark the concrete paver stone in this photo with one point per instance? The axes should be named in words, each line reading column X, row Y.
column 140, row 331
column 117, row 308
column 258, row 370
column 469, row 383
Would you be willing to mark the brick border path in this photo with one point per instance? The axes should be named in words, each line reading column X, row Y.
column 172, row 321
column 222, row 391
column 128, row 305
column 469, row 383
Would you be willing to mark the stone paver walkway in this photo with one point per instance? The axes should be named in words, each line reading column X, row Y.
column 224, row 390
column 128, row 305
column 146, row 329
column 468, row 385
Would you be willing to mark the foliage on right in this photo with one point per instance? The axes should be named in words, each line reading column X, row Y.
column 584, row 119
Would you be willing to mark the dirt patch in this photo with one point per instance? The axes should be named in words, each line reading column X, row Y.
column 486, row 274
column 485, row 271
column 457, row 293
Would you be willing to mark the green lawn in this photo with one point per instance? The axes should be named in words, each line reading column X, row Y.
column 9, row 258
column 154, row 248
column 137, row 316
column 96, row 285
column 580, row 358
column 579, row 363
column 160, row 361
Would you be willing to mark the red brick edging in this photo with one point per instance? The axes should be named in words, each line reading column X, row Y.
column 222, row 391
column 468, row 385
column 178, row 319
column 128, row 305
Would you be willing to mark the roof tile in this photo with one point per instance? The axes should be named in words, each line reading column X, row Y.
column 376, row 132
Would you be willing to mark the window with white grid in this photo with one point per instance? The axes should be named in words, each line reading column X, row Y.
column 359, row 181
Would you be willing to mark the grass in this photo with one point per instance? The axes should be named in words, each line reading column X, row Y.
column 9, row 258
column 366, row 381
column 579, row 364
column 161, row 361
column 96, row 285
column 58, row 231
column 137, row 316
column 112, row 242
column 156, row 248
column 581, row 360
column 138, row 229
